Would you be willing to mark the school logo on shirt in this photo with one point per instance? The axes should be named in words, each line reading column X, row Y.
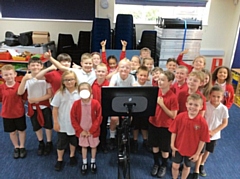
column 196, row 127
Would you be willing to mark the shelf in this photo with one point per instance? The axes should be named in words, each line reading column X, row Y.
column 16, row 61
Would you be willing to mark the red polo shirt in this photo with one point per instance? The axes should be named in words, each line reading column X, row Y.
column 189, row 132
column 161, row 119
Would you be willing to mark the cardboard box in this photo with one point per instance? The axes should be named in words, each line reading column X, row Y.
column 40, row 37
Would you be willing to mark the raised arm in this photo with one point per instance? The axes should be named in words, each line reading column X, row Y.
column 104, row 55
column 181, row 62
column 123, row 52
column 48, row 55
column 41, row 74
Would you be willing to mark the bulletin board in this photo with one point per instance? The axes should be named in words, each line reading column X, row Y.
column 48, row 9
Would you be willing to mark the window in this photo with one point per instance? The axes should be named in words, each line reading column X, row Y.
column 149, row 14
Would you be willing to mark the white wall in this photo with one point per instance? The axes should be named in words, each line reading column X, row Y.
column 219, row 34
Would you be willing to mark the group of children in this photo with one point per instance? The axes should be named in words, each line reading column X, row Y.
column 191, row 110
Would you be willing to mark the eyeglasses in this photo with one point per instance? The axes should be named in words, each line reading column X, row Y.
column 68, row 80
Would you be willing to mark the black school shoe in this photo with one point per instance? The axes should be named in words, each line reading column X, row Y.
column 202, row 171
column 84, row 169
column 16, row 153
column 22, row 152
column 93, row 168
column 73, row 161
column 41, row 147
column 162, row 172
column 48, row 148
column 58, row 166
column 155, row 169
column 195, row 176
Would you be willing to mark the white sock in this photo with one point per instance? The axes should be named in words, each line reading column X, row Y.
column 93, row 160
column 112, row 134
column 84, row 161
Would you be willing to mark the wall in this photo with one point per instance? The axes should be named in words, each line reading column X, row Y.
column 219, row 34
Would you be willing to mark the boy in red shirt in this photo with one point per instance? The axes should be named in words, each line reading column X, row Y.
column 158, row 135
column 54, row 76
column 101, row 73
column 189, row 134
column 14, row 121
column 155, row 75
column 194, row 81
column 180, row 78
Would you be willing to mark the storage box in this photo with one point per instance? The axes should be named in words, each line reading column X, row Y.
column 40, row 37
column 17, row 58
column 5, row 56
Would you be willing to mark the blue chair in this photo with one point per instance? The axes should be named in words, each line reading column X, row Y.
column 101, row 30
column 124, row 30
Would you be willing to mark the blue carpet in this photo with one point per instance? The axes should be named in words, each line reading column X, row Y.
column 224, row 163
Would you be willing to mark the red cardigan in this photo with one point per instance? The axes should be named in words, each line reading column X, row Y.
column 96, row 114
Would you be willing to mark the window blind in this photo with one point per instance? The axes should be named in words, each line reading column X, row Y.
column 192, row 3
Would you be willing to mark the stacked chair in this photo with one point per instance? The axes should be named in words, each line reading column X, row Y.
column 84, row 41
column 101, row 30
column 66, row 45
column 124, row 30
column 149, row 40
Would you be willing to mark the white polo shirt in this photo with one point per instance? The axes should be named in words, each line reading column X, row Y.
column 147, row 83
column 64, row 103
column 214, row 117
column 82, row 76
column 118, row 81
column 37, row 88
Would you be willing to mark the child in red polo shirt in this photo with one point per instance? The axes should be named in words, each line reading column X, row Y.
column 180, row 78
column 14, row 121
column 54, row 76
column 101, row 73
column 189, row 134
column 155, row 75
column 111, row 61
column 194, row 81
column 197, row 65
column 39, row 92
column 158, row 135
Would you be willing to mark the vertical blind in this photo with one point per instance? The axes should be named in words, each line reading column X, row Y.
column 193, row 3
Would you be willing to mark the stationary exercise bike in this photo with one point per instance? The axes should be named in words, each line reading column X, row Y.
column 124, row 144
column 128, row 102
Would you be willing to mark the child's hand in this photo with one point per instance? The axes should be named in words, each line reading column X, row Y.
column 103, row 43
column 48, row 54
column 194, row 158
column 56, row 127
column 124, row 43
column 89, row 134
column 27, row 76
column 185, row 51
column 160, row 101
column 84, row 134
column 211, row 133
column 33, row 100
column 174, row 149
column 76, row 66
